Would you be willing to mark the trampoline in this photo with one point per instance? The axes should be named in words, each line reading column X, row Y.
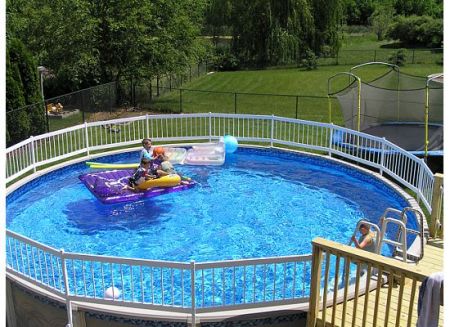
column 407, row 110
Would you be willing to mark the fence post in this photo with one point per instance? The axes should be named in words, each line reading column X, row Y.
column 235, row 103
column 272, row 130
column 86, row 135
column 436, row 205
column 181, row 100
column 157, row 86
column 147, row 127
column 66, row 290
column 413, row 56
column 210, row 126
column 383, row 149
column 420, row 182
column 151, row 91
column 296, row 107
column 170, row 82
column 314, row 296
column 193, row 309
column 46, row 117
column 330, row 141
column 33, row 155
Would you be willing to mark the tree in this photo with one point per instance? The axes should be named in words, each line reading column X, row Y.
column 17, row 120
column 381, row 19
column 417, row 31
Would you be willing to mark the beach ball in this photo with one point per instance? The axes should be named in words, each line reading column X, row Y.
column 112, row 293
column 159, row 150
column 231, row 143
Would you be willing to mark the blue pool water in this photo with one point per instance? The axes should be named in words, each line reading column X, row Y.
column 260, row 203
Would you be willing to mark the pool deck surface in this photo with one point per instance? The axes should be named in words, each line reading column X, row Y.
column 431, row 262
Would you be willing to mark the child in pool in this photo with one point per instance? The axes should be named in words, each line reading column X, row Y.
column 140, row 175
column 166, row 168
column 146, row 151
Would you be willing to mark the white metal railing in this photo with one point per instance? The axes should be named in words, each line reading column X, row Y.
column 190, row 287
column 404, row 167
column 174, row 286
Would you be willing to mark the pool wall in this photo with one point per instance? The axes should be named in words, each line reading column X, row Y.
column 399, row 165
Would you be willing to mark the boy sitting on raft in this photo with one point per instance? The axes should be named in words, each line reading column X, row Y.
column 165, row 166
column 140, row 175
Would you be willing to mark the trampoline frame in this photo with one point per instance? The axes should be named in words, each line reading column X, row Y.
column 426, row 151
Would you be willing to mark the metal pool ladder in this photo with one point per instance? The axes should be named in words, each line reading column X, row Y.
column 400, row 218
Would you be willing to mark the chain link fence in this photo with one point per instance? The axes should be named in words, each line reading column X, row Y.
column 126, row 97
column 408, row 56
column 165, row 94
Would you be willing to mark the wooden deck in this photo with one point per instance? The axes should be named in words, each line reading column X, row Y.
column 432, row 262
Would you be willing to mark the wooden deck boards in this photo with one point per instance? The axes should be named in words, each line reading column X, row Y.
column 431, row 262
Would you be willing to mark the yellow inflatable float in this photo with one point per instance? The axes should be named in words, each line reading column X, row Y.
column 164, row 181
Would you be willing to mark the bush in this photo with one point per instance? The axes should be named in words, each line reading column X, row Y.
column 417, row 31
column 226, row 61
column 309, row 61
column 398, row 57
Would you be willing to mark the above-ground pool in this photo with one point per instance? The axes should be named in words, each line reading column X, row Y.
column 260, row 203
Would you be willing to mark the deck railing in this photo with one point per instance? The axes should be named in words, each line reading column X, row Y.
column 390, row 294
column 391, row 160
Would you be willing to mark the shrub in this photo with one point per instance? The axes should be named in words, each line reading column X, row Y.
column 309, row 61
column 417, row 31
column 398, row 57
column 226, row 61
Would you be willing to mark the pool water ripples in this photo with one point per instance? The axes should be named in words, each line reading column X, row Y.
column 260, row 203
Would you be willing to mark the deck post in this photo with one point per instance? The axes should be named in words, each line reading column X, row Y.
column 314, row 297
column 436, row 205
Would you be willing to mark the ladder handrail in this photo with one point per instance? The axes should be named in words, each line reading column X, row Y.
column 401, row 224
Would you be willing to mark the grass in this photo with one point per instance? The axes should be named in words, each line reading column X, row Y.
column 287, row 92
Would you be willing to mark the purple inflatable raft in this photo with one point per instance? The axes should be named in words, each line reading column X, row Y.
column 107, row 186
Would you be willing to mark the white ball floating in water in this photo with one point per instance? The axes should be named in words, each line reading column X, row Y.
column 112, row 293
column 231, row 143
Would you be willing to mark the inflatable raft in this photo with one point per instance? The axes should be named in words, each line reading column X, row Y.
column 206, row 154
column 108, row 186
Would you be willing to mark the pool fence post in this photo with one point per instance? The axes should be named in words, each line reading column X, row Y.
column 383, row 149
column 33, row 154
column 330, row 143
column 271, row 130
column 420, row 183
column 210, row 126
column 147, row 128
column 66, row 290
column 193, row 322
column 86, row 135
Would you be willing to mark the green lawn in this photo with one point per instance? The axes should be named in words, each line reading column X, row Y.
column 285, row 92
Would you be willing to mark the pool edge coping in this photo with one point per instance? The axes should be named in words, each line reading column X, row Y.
column 185, row 317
